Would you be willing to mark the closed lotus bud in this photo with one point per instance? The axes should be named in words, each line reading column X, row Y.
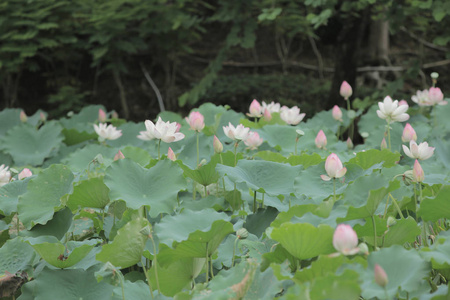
column 321, row 140
column 114, row 115
column 171, row 155
column 202, row 163
column 409, row 134
column 349, row 144
column 346, row 90
column 23, row 117
column 337, row 113
column 217, row 145
column 383, row 144
column 101, row 116
column 242, row 233
column 24, row 174
column 267, row 115
column 345, row 240
column 119, row 155
column 391, row 221
column 42, row 116
column 363, row 248
column 381, row 277
column 255, row 109
column 408, row 177
column 418, row 175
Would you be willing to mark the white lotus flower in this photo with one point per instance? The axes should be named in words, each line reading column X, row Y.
column 107, row 132
column 165, row 131
column 291, row 116
column 421, row 151
column 5, row 175
column 236, row 133
column 271, row 107
column 391, row 111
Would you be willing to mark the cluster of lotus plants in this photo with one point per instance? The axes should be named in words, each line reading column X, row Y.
column 226, row 205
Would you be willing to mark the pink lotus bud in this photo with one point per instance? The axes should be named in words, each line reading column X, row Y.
column 381, row 277
column 217, row 145
column 418, row 175
column 408, row 134
column 255, row 109
column 171, row 155
column 435, row 95
column 383, row 144
column 349, row 144
column 101, row 116
column 196, row 121
column 178, row 127
column 43, row 118
column 24, row 174
column 346, row 90
column 267, row 115
column 23, row 117
column 321, row 140
column 345, row 240
column 403, row 102
column 337, row 113
column 334, row 168
column 114, row 115
column 119, row 155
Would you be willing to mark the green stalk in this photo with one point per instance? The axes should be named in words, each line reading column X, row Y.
column 296, row 142
column 254, row 203
column 386, row 294
column 207, row 267
column 234, row 251
column 223, row 178
column 155, row 262
column 123, row 289
column 159, row 146
column 396, row 206
column 424, row 224
column 334, row 189
column 198, row 151
column 148, row 280
column 374, row 232
column 206, row 192
column 389, row 135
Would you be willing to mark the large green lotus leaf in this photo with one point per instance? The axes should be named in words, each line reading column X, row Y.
column 304, row 240
column 79, row 160
column 137, row 290
column 297, row 210
column 258, row 222
column 442, row 113
column 130, row 131
column 16, row 255
column 306, row 160
column 88, row 114
column 89, row 193
column 74, row 136
column 67, row 284
column 43, row 195
column 263, row 176
column 189, row 151
column 371, row 157
column 405, row 270
column 272, row 156
column 324, row 119
column 433, row 209
column 438, row 253
column 222, row 119
column 210, row 110
column 366, row 231
column 206, row 174
column 30, row 146
column 156, row 187
column 404, row 231
column 61, row 255
column 336, row 287
column 9, row 195
column 137, row 155
column 57, row 226
column 9, row 118
column 211, row 201
column 282, row 136
column 127, row 247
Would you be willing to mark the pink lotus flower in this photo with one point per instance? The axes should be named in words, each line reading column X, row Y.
column 383, row 144
column 165, row 131
column 107, row 132
column 255, row 109
column 321, row 140
column 267, row 115
column 435, row 96
column 23, row 117
column 119, row 155
column 271, row 107
column 346, row 90
column 391, row 111
column 5, row 175
column 345, row 240
column 421, row 151
column 253, row 141
column 101, row 116
column 24, row 174
column 409, row 134
column 236, row 133
column 171, row 155
column 421, row 98
column 418, row 175
column 381, row 277
column 337, row 113
column 334, row 168
column 196, row 121
column 291, row 116
column 217, row 145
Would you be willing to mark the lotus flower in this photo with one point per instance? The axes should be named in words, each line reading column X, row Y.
column 271, row 107
column 171, row 155
column 346, row 90
column 418, row 175
column 435, row 96
column 321, row 140
column 253, row 141
column 391, row 111
column 107, row 132
column 421, row 98
column 267, row 115
column 403, row 102
column 217, row 145
column 24, row 174
column 337, row 113
column 383, row 144
column 165, row 131
column 380, row 276
column 5, row 175
column 255, row 109
column 119, row 155
column 421, row 151
column 236, row 133
column 291, row 116
column 334, row 168
column 409, row 134
column 196, row 121
column 101, row 116
column 345, row 240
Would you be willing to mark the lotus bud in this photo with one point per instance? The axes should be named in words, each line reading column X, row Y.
column 42, row 116
column 333, row 167
column 435, row 95
column 178, row 127
column 119, row 155
column 217, row 145
column 337, row 113
column 321, row 140
column 23, row 117
column 267, row 115
column 408, row 177
column 383, row 144
column 114, row 115
column 380, row 276
column 434, row 75
column 349, row 144
column 24, row 174
column 242, row 233
column 391, row 221
column 255, row 109
column 363, row 248
column 418, row 175
column 346, row 90
column 409, row 134
column 171, row 155
column 345, row 240
column 202, row 163
column 101, row 116
column 196, row 121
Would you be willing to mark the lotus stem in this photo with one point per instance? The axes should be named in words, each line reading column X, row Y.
column 155, row 263
column 148, row 280
column 207, row 267
column 254, row 203
column 198, row 150
column 334, row 189
column 374, row 232
column 159, row 149
column 389, row 135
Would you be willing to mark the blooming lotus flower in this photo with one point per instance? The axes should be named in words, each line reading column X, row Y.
column 165, row 131
column 409, row 134
column 435, row 96
column 271, row 107
column 253, row 140
column 217, row 145
column 24, row 174
column 291, row 116
column 171, row 155
column 421, row 151
column 391, row 111
column 236, row 133
column 321, row 140
column 345, row 240
column 101, row 116
column 380, row 276
column 334, row 168
column 5, row 175
column 418, row 175
column 107, row 132
column 346, row 90
column 196, row 121
column 119, row 155
column 421, row 98
column 255, row 109
column 337, row 113
column 267, row 115
column 23, row 117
